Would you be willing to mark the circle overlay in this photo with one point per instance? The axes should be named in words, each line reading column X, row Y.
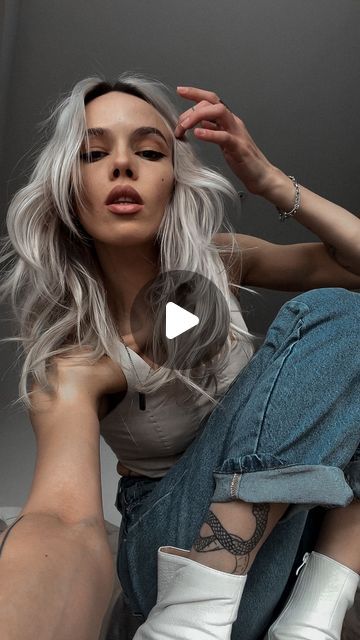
column 189, row 293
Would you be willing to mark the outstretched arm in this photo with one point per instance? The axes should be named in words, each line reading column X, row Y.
column 55, row 579
column 56, row 569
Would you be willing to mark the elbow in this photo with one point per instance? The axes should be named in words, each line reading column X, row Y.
column 349, row 260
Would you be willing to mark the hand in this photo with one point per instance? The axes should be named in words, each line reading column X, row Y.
column 219, row 125
column 74, row 377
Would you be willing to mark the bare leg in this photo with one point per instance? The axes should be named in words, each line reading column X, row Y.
column 340, row 534
column 233, row 533
column 213, row 572
column 236, row 530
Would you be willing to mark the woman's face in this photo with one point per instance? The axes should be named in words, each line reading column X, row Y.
column 134, row 150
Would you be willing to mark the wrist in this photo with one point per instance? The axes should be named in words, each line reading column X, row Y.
column 279, row 190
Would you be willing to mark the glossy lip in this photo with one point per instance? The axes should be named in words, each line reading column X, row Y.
column 123, row 192
column 128, row 208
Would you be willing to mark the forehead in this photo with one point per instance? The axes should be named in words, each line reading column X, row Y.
column 118, row 110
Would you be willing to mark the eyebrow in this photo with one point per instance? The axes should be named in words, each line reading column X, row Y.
column 140, row 132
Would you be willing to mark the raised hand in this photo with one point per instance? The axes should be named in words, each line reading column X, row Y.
column 213, row 121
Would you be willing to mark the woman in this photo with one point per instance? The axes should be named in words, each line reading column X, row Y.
column 107, row 210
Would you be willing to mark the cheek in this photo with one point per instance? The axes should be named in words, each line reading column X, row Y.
column 167, row 182
column 89, row 188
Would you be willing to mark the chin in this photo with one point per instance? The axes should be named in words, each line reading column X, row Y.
column 130, row 240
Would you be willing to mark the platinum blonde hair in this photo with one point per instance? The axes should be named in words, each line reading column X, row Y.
column 53, row 278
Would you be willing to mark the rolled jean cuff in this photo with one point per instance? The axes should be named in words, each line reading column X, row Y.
column 265, row 478
column 352, row 475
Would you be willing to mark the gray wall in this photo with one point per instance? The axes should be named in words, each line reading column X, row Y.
column 289, row 68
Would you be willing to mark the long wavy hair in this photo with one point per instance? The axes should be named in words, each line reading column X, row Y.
column 50, row 269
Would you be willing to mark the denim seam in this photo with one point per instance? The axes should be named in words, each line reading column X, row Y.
column 155, row 503
column 234, row 486
column 282, row 466
column 300, row 323
column 136, row 500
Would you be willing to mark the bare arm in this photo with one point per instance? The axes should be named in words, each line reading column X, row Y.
column 335, row 261
column 338, row 229
column 56, row 570
column 289, row 267
column 55, row 580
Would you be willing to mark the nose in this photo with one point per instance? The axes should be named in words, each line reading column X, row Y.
column 123, row 165
column 128, row 172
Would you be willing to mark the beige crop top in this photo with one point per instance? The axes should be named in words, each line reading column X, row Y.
column 149, row 442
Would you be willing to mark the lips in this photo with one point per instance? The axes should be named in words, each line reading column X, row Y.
column 123, row 193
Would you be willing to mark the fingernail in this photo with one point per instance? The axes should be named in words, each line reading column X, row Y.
column 184, row 123
column 181, row 88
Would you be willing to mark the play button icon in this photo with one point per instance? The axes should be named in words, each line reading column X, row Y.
column 178, row 320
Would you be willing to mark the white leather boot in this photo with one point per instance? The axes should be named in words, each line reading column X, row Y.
column 316, row 608
column 168, row 563
column 194, row 602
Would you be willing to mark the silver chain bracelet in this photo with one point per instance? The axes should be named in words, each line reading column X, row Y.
column 284, row 215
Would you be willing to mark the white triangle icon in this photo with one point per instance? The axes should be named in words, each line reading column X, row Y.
column 178, row 320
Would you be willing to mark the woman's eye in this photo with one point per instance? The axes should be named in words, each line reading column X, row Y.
column 91, row 156
column 150, row 154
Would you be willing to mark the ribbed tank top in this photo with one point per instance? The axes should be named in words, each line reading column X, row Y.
column 149, row 442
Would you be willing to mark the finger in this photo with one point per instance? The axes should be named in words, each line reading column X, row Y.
column 204, row 124
column 189, row 111
column 216, row 113
column 194, row 93
column 224, row 139
column 207, row 124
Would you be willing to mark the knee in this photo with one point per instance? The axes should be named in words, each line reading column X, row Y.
column 334, row 301
column 332, row 314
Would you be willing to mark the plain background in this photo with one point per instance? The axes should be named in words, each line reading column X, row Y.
column 289, row 68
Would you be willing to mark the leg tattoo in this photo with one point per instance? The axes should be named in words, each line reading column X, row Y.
column 221, row 539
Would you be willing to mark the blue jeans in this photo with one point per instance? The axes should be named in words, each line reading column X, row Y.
column 287, row 430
